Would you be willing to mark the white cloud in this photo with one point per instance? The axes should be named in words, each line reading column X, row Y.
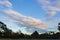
column 6, row 3
column 50, row 6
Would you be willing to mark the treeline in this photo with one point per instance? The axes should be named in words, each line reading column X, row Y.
column 7, row 33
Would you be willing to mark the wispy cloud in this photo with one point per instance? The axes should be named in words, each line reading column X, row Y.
column 25, row 20
column 6, row 3
column 50, row 6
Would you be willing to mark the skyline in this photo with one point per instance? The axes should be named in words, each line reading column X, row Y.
column 30, row 15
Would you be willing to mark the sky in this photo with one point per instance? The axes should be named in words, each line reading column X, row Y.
column 30, row 15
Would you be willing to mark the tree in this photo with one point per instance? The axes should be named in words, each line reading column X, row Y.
column 59, row 27
column 3, row 26
column 35, row 34
column 6, row 32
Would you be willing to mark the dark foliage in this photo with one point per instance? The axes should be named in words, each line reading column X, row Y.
column 35, row 35
column 59, row 26
column 7, row 33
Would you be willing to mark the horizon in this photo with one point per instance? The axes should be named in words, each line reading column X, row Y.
column 30, row 15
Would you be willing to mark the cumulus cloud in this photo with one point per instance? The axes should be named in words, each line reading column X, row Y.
column 50, row 6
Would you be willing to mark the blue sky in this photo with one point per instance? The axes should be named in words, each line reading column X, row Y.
column 30, row 15
column 28, row 8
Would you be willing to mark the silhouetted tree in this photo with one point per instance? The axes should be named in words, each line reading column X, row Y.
column 6, row 32
column 35, row 34
column 3, row 26
column 22, row 35
column 59, row 27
